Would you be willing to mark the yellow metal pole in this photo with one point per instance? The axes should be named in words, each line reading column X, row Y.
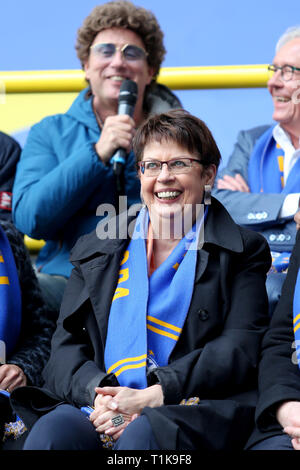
column 176, row 78
column 235, row 76
column 43, row 81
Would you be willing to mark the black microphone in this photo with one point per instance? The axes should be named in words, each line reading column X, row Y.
column 127, row 101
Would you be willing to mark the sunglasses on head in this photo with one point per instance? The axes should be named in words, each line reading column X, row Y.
column 130, row 52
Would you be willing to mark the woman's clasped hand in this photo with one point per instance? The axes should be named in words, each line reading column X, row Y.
column 128, row 402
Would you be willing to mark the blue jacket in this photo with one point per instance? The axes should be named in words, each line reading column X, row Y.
column 61, row 181
column 257, row 211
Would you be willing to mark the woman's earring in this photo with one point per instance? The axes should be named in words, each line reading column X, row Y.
column 207, row 194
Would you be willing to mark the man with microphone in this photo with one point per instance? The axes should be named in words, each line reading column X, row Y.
column 127, row 101
column 66, row 169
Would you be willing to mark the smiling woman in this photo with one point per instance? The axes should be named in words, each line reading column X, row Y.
column 176, row 163
column 149, row 321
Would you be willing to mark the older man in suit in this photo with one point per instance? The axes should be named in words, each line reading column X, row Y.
column 260, row 186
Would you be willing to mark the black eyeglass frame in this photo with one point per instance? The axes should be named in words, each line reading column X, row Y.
column 284, row 69
column 141, row 164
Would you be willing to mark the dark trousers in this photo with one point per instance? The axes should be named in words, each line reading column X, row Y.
column 137, row 436
column 280, row 442
column 67, row 428
column 64, row 428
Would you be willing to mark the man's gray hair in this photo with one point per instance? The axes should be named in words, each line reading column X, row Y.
column 291, row 33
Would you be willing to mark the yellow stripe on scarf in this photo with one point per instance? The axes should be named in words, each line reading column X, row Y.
column 3, row 279
column 123, row 361
column 296, row 327
column 132, row 366
column 163, row 323
column 123, row 277
column 296, row 318
column 162, row 332
column 280, row 159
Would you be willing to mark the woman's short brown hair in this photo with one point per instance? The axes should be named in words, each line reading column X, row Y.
column 122, row 14
column 181, row 127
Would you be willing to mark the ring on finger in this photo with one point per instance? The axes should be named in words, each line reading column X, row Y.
column 117, row 420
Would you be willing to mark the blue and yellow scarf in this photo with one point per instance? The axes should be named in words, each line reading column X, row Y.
column 265, row 169
column 147, row 313
column 10, row 297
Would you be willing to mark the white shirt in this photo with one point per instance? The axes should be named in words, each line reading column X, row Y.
column 291, row 155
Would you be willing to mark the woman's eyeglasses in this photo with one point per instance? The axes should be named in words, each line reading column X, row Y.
column 286, row 71
column 175, row 166
column 129, row 52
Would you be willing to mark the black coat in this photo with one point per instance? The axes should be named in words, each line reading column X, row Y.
column 10, row 152
column 38, row 321
column 217, row 353
column 279, row 374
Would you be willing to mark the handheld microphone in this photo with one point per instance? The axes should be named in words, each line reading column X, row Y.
column 127, row 101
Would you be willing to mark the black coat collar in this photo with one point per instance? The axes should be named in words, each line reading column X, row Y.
column 220, row 230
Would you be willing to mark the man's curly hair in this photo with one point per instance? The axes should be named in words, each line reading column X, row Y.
column 123, row 14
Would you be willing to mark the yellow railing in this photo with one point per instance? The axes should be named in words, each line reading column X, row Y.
column 176, row 78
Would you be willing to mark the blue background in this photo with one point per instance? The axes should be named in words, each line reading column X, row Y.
column 37, row 35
